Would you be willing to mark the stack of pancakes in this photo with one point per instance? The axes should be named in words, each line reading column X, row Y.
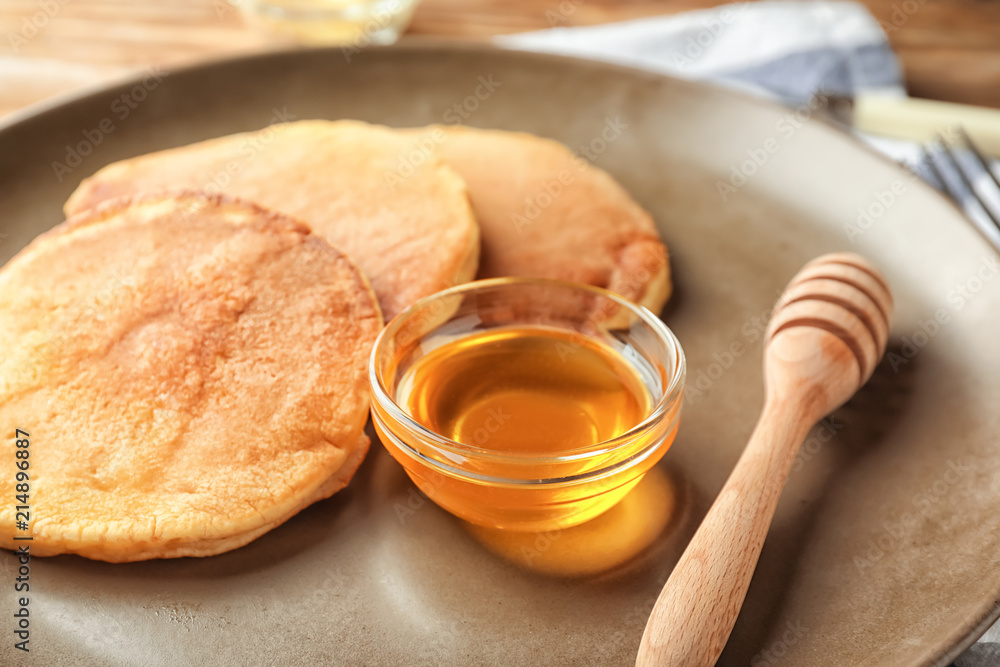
column 189, row 349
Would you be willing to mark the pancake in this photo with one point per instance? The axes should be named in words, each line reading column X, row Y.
column 191, row 371
column 403, row 218
column 545, row 212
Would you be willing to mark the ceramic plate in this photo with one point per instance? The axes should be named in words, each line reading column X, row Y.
column 885, row 549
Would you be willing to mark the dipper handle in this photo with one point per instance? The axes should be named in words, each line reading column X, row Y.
column 827, row 334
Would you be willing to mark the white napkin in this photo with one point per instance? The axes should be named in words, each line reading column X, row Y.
column 786, row 51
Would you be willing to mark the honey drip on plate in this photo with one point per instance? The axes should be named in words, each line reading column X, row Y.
column 623, row 535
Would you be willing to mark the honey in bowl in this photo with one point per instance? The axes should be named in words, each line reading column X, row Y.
column 533, row 417
column 524, row 389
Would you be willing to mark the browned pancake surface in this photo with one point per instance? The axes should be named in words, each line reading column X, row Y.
column 545, row 212
column 402, row 216
column 191, row 371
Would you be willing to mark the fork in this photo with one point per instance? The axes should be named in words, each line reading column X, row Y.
column 979, row 197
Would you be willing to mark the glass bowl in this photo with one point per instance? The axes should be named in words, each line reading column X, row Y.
column 351, row 24
column 528, row 491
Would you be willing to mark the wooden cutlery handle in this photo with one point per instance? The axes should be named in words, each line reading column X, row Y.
column 698, row 606
column 922, row 120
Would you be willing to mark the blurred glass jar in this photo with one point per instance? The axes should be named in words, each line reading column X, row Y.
column 355, row 23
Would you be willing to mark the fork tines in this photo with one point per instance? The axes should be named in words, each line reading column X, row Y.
column 980, row 187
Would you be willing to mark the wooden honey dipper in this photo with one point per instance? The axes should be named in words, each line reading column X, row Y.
column 827, row 334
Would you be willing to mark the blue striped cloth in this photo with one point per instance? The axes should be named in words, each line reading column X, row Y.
column 785, row 51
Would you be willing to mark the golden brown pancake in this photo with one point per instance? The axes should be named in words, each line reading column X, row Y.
column 403, row 217
column 191, row 371
column 547, row 213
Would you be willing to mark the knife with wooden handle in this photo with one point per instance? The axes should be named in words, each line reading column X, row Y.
column 917, row 119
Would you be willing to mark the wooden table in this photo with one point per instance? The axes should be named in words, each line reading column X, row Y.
column 950, row 49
